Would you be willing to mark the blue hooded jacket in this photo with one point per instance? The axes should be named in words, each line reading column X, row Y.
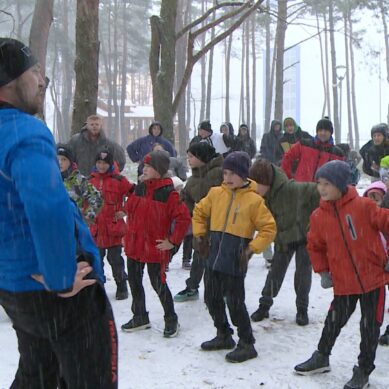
column 37, row 224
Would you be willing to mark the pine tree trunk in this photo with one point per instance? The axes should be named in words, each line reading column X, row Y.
column 347, row 37
column 203, row 64
column 327, row 66
column 268, row 82
column 86, row 64
column 254, row 88
column 210, row 73
column 322, row 66
column 242, row 67
column 247, row 49
column 227, row 66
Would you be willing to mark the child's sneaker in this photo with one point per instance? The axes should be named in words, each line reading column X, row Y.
column 137, row 323
column 359, row 380
column 171, row 327
column 186, row 295
column 243, row 352
column 318, row 363
column 261, row 313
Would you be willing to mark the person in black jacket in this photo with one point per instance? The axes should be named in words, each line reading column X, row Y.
column 244, row 142
column 270, row 145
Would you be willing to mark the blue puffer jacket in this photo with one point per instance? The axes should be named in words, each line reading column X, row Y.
column 37, row 225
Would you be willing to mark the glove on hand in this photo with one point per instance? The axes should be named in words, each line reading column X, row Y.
column 244, row 260
column 326, row 280
column 203, row 245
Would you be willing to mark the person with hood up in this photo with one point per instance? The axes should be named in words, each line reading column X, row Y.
column 292, row 134
column 374, row 150
column 140, row 147
column 244, row 142
column 270, row 145
column 228, row 129
column 303, row 160
column 86, row 144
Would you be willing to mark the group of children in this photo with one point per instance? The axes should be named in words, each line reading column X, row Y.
column 234, row 216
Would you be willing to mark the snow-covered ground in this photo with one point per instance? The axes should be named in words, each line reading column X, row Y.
column 148, row 361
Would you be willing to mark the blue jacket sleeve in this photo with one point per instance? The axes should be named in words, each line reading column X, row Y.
column 133, row 150
column 34, row 170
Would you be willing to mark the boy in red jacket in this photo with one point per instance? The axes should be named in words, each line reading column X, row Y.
column 157, row 223
column 110, row 227
column 345, row 247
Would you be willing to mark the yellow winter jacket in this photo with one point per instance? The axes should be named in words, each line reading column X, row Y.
column 233, row 217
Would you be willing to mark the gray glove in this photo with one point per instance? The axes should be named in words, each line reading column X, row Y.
column 326, row 280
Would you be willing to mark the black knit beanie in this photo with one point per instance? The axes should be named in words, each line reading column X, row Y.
column 202, row 151
column 325, row 124
column 105, row 154
column 65, row 150
column 158, row 160
column 15, row 59
column 239, row 162
column 262, row 172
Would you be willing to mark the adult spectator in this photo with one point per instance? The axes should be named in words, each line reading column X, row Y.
column 308, row 155
column 63, row 322
column 271, row 148
column 220, row 141
column 86, row 144
column 140, row 147
column 374, row 150
column 244, row 142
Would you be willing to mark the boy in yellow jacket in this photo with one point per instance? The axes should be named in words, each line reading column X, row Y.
column 232, row 213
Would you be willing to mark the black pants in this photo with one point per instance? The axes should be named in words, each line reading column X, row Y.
column 187, row 247
column 135, row 275
column 196, row 271
column 219, row 286
column 276, row 275
column 72, row 338
column 342, row 307
column 115, row 259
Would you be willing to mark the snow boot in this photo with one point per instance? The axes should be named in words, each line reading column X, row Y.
column 243, row 352
column 171, row 327
column 318, row 363
column 121, row 290
column 302, row 317
column 359, row 380
column 261, row 313
column 137, row 323
column 186, row 295
column 222, row 341
column 384, row 339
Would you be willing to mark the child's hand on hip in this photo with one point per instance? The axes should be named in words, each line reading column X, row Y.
column 164, row 244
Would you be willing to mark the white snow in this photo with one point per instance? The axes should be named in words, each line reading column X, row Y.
column 148, row 361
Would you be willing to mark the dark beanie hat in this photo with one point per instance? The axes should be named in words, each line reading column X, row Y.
column 262, row 172
column 239, row 162
column 15, row 59
column 105, row 154
column 202, row 151
column 205, row 125
column 337, row 172
column 325, row 124
column 159, row 161
column 65, row 150
column 381, row 128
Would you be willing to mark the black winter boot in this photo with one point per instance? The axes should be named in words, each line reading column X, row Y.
column 359, row 380
column 171, row 327
column 137, row 323
column 318, row 363
column 384, row 339
column 243, row 352
column 222, row 341
column 261, row 313
column 302, row 317
column 121, row 290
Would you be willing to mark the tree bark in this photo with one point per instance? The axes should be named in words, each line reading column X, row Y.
column 227, row 66
column 254, row 83
column 268, row 82
column 323, row 75
column 348, row 37
column 247, row 49
column 280, row 39
column 203, row 74
column 86, row 64
column 210, row 73
column 242, row 63
column 327, row 66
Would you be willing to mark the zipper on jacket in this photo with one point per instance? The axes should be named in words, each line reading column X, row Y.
column 235, row 214
column 224, row 229
column 348, row 249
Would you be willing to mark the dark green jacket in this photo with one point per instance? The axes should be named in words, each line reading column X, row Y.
column 202, row 179
column 291, row 204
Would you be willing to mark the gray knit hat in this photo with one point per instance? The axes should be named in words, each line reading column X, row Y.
column 337, row 172
column 158, row 160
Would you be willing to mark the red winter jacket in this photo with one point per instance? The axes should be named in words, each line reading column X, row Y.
column 154, row 211
column 309, row 154
column 344, row 239
column 107, row 230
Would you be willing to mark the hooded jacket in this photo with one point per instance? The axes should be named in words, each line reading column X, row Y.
column 291, row 204
column 85, row 151
column 288, row 140
column 232, row 217
column 344, row 239
column 372, row 155
column 246, row 143
column 140, row 147
column 270, row 145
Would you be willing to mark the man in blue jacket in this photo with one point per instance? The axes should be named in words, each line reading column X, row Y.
column 63, row 321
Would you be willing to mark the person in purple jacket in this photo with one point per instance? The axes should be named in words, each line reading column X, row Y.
column 139, row 148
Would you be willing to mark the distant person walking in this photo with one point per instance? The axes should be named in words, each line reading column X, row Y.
column 270, row 145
